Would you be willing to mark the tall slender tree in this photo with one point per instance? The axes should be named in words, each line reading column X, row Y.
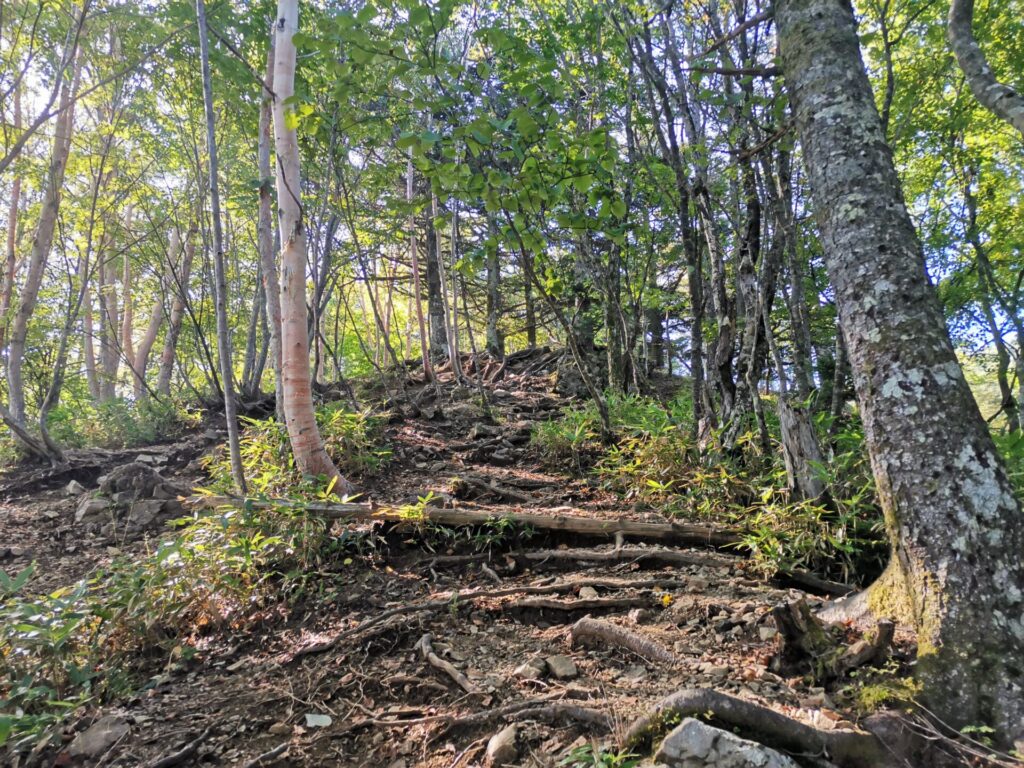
column 220, row 280
column 307, row 445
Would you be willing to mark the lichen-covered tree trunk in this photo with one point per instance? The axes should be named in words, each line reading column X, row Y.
column 956, row 528
column 307, row 446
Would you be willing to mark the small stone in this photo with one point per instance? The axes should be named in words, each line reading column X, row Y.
column 767, row 633
column 562, row 667
column 534, row 669
column 502, row 748
column 99, row 737
column 74, row 488
column 633, row 673
column 280, row 729
column 482, row 430
column 588, row 593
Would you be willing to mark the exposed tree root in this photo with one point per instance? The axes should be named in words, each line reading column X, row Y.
column 845, row 748
column 805, row 640
column 493, row 487
column 592, row 629
column 427, row 652
column 591, row 604
column 649, row 557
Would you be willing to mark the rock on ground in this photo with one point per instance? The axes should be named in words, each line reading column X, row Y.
column 502, row 748
column 99, row 737
column 694, row 744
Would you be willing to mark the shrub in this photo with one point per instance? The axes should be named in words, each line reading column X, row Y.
column 352, row 440
column 654, row 460
column 119, row 423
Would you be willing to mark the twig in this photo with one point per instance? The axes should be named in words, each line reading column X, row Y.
column 182, row 754
column 280, row 749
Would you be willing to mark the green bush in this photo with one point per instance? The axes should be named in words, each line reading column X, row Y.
column 119, row 423
column 654, row 460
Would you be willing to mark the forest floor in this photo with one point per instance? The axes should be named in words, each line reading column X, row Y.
column 418, row 654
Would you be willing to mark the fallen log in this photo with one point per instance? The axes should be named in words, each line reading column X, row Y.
column 655, row 557
column 584, row 526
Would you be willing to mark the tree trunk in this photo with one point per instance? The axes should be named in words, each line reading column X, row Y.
column 495, row 339
column 435, row 299
column 156, row 318
column 531, row 308
column 89, row 348
column 1001, row 100
column 127, row 305
column 181, row 274
column 11, row 252
column 417, row 291
column 42, row 242
column 956, row 528
column 220, row 280
column 265, row 226
column 300, row 416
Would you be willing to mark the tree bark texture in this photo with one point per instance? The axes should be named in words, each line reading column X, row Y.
column 956, row 528
column 307, row 446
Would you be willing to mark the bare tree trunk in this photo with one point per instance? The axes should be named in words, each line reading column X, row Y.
column 417, row 291
column 110, row 323
column 435, row 298
column 89, row 347
column 495, row 340
column 1001, row 100
column 181, row 274
column 307, row 446
column 11, row 253
column 268, row 262
column 127, row 305
column 220, row 280
column 42, row 242
column 955, row 525
column 531, row 309
column 156, row 319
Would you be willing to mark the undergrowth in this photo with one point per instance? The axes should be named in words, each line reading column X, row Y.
column 654, row 460
column 101, row 637
column 353, row 439
column 120, row 423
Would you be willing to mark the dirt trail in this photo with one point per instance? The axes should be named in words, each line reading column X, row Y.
column 418, row 659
